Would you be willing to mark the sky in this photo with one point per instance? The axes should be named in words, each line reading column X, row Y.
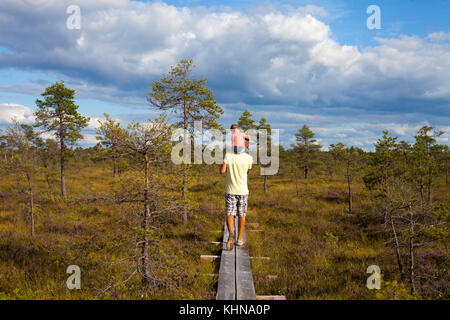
column 292, row 62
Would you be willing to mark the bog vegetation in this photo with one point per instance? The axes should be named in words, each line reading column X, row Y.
column 136, row 224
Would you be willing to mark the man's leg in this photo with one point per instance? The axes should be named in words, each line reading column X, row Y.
column 230, row 209
column 242, row 212
column 230, row 224
column 241, row 227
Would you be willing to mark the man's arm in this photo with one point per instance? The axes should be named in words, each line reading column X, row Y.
column 223, row 169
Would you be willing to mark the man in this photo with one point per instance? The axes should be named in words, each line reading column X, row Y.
column 236, row 166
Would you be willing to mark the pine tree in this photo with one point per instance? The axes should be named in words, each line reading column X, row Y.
column 383, row 170
column 263, row 125
column 149, row 143
column 424, row 153
column 58, row 114
column 246, row 122
column 106, row 132
column 337, row 152
column 188, row 98
column 305, row 148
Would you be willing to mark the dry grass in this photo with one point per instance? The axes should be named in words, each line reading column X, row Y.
column 317, row 249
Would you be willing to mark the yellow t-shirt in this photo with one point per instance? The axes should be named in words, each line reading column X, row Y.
column 237, row 167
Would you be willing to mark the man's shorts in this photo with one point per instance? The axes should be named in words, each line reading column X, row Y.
column 236, row 204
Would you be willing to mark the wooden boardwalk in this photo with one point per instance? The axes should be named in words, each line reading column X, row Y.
column 235, row 273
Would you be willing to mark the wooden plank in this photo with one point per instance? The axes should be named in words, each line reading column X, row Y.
column 217, row 243
column 226, row 287
column 209, row 257
column 236, row 225
column 270, row 298
column 245, row 289
column 235, row 275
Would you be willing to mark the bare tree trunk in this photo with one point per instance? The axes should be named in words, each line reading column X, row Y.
column 306, row 171
column 429, row 188
column 430, row 178
column 385, row 216
column 185, row 211
column 422, row 195
column 30, row 188
column 296, row 182
column 350, row 195
column 411, row 265
column 411, row 252
column 47, row 179
column 386, row 191
column 145, row 226
column 265, row 183
column 63, row 179
column 32, row 212
column 63, row 159
column 397, row 248
column 114, row 167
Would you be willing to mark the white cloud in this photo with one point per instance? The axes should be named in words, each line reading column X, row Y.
column 89, row 139
column 19, row 112
column 399, row 128
column 439, row 36
column 284, row 63
column 314, row 10
column 93, row 122
column 271, row 54
column 296, row 27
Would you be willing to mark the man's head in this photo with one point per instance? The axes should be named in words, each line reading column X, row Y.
column 234, row 126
